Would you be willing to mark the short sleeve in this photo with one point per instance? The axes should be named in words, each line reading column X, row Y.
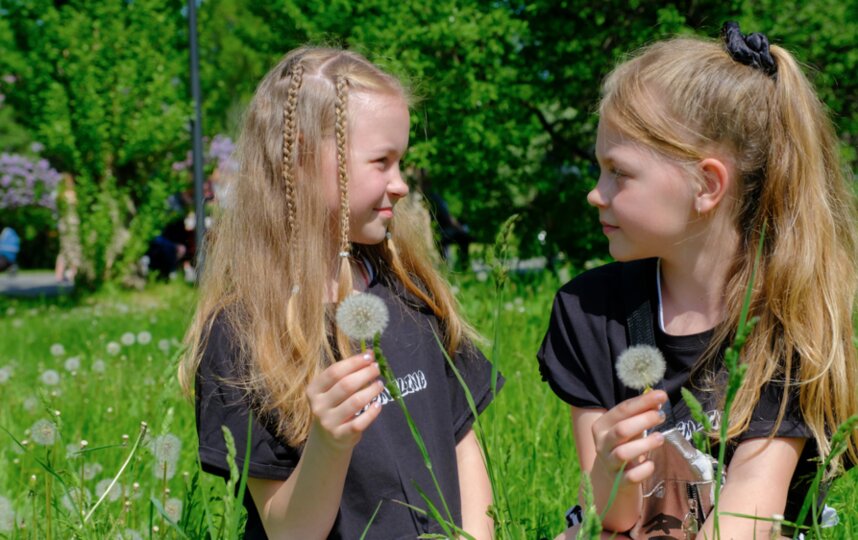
column 764, row 417
column 585, row 333
column 219, row 402
column 476, row 372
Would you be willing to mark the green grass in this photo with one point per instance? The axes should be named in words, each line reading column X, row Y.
column 527, row 427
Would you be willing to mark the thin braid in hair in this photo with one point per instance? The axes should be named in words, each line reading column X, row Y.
column 290, row 133
column 342, row 165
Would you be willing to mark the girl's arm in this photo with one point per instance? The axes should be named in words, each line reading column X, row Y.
column 306, row 504
column 605, row 440
column 758, row 481
column 475, row 488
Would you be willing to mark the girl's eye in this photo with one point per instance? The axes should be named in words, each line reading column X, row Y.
column 617, row 174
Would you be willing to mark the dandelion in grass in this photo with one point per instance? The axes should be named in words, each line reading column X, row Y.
column 164, row 345
column 44, row 432
column 98, row 366
column 640, row 367
column 173, row 509
column 127, row 339
column 166, row 449
column 113, row 348
column 77, row 500
column 73, row 451
column 7, row 515
column 144, row 338
column 30, row 403
column 102, row 486
column 72, row 363
column 91, row 470
column 49, row 377
column 5, row 374
column 57, row 349
column 361, row 316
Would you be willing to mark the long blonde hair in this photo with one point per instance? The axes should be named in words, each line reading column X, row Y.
column 686, row 98
column 271, row 252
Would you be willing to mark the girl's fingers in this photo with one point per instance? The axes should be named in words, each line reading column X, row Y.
column 350, row 385
column 639, row 473
column 629, row 429
column 634, row 406
column 355, row 403
column 632, row 451
column 365, row 419
column 336, row 372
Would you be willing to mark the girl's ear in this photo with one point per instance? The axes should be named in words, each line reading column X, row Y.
column 717, row 178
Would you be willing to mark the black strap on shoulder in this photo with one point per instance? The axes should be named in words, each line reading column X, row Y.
column 637, row 278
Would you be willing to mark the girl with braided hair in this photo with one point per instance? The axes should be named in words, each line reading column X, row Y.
column 702, row 147
column 318, row 210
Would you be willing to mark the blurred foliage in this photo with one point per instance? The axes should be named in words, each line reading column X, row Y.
column 504, row 121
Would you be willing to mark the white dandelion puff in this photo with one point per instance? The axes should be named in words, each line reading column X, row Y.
column 98, row 366
column 73, row 451
column 77, row 500
column 362, row 316
column 640, row 367
column 91, row 470
column 173, row 509
column 5, row 374
column 113, row 348
column 30, row 404
column 44, row 432
column 115, row 491
column 50, row 377
column 7, row 515
column 164, row 345
column 127, row 339
column 144, row 338
column 57, row 349
column 72, row 363
column 166, row 449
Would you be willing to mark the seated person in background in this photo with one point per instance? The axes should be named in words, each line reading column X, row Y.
column 10, row 244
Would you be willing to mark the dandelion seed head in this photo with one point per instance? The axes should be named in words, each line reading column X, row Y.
column 91, row 470
column 72, row 451
column 127, row 339
column 72, row 363
column 30, row 404
column 362, row 316
column 44, row 432
column 98, row 366
column 166, row 449
column 57, row 349
column 173, row 509
column 164, row 345
column 115, row 491
column 640, row 367
column 5, row 374
column 50, row 377
column 113, row 348
column 7, row 515
column 76, row 499
column 144, row 338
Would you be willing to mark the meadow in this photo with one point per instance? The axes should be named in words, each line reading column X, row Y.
column 79, row 378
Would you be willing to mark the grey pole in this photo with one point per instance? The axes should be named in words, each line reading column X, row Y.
column 197, row 136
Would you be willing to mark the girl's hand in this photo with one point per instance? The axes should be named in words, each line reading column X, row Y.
column 618, row 436
column 343, row 400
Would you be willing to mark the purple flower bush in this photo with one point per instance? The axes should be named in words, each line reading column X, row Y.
column 27, row 182
column 219, row 155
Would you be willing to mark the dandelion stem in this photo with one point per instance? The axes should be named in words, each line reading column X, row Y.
column 92, row 510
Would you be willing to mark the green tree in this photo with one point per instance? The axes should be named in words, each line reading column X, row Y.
column 101, row 86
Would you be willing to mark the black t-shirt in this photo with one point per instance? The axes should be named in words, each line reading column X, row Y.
column 588, row 331
column 386, row 464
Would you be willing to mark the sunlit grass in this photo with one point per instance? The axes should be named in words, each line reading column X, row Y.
column 106, row 396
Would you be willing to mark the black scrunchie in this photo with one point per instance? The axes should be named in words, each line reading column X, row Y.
column 751, row 50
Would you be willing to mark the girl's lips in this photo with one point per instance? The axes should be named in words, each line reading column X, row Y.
column 385, row 211
column 608, row 229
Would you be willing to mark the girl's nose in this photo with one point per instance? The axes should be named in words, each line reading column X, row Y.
column 596, row 196
column 397, row 187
